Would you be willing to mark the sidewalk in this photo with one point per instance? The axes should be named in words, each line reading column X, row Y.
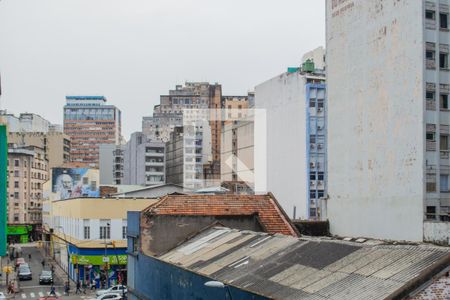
column 59, row 271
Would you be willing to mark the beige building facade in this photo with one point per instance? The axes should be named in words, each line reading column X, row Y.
column 56, row 145
column 27, row 172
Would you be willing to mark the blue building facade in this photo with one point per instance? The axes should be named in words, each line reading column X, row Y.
column 151, row 278
column 86, row 264
column 316, row 143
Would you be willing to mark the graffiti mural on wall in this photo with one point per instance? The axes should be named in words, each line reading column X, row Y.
column 75, row 182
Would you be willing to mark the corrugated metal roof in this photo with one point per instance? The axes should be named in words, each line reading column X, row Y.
column 285, row 267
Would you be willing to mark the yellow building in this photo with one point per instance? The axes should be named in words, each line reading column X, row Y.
column 87, row 235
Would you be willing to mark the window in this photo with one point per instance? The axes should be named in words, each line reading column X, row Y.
column 430, row 14
column 430, row 54
column 124, row 232
column 16, row 174
column 16, row 163
column 444, row 183
column 312, row 176
column 444, row 143
column 443, row 60
column 87, row 232
column 431, row 183
column 444, row 101
column 312, row 103
column 312, row 212
column 320, row 194
column 431, row 212
column 16, row 195
column 430, row 136
column 16, row 184
column 105, row 229
column 320, row 176
column 443, row 20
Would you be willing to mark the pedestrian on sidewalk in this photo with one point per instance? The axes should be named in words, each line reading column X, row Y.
column 29, row 257
column 67, row 288
column 78, row 287
column 43, row 262
column 52, row 290
column 93, row 285
column 10, row 287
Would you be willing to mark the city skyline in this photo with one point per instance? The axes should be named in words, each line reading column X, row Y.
column 132, row 54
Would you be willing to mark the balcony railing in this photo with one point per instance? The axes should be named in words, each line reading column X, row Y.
column 431, row 145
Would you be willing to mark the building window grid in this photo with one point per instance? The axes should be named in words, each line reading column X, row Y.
column 105, row 232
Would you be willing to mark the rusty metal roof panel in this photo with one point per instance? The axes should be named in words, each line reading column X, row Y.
column 284, row 267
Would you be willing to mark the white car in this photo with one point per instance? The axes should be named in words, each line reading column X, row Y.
column 119, row 289
column 2, row 296
column 109, row 296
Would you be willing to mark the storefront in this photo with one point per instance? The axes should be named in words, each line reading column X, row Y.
column 18, row 234
column 87, row 264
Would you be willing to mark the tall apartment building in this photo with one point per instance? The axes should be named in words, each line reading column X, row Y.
column 144, row 161
column 237, row 145
column 27, row 172
column 295, row 104
column 203, row 99
column 56, row 145
column 388, row 85
column 186, row 157
column 89, row 121
column 111, row 163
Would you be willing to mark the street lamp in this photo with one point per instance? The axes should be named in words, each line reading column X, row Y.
column 68, row 255
column 221, row 285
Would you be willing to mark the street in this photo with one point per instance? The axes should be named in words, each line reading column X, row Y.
column 31, row 289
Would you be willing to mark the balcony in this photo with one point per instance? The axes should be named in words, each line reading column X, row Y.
column 431, row 64
column 431, row 105
column 430, row 24
column 431, row 145
column 444, row 154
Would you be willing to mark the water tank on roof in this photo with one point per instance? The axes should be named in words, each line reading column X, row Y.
column 308, row 66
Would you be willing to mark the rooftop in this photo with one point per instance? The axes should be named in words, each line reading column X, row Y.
column 285, row 267
column 269, row 212
column 86, row 98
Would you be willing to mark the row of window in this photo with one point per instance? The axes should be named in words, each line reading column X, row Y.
column 105, row 232
column 431, row 59
column 443, row 18
column 431, row 185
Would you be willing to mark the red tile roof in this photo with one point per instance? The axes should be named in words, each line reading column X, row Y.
column 271, row 215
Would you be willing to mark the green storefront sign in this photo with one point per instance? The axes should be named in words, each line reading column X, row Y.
column 98, row 259
column 18, row 229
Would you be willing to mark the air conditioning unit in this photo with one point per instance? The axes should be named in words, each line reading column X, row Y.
column 319, row 127
column 320, row 109
column 312, row 165
column 313, row 146
column 319, row 146
column 320, row 182
column 311, row 183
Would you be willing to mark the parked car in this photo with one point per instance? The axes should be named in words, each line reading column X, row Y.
column 46, row 277
column 108, row 296
column 2, row 296
column 24, row 273
column 114, row 289
column 20, row 261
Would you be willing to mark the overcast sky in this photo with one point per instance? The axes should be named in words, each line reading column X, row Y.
column 131, row 51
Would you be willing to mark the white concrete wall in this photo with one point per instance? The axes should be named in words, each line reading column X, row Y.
column 376, row 128
column 284, row 99
column 437, row 232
